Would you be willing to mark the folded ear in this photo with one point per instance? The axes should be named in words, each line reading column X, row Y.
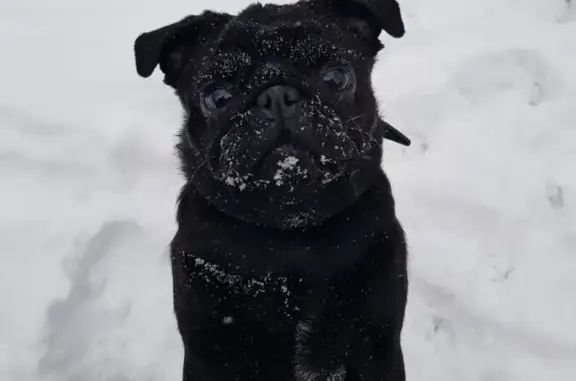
column 387, row 14
column 391, row 133
column 171, row 45
column 372, row 15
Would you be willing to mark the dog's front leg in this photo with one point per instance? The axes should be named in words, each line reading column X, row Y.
column 208, row 365
column 319, row 351
column 376, row 353
column 379, row 359
column 349, row 352
column 195, row 370
column 204, row 362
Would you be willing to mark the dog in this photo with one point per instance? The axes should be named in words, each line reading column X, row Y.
column 289, row 263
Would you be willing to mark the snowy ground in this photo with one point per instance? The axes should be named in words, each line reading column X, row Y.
column 487, row 193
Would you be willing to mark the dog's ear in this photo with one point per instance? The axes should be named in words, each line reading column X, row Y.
column 371, row 16
column 387, row 15
column 171, row 45
column 388, row 132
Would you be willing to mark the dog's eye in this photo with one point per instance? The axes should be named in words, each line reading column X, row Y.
column 217, row 98
column 338, row 78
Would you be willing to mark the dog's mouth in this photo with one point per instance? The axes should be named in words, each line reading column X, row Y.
column 290, row 162
column 287, row 162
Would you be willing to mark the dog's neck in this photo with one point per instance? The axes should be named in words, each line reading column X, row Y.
column 192, row 204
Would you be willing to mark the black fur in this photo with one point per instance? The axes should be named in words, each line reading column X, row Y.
column 289, row 262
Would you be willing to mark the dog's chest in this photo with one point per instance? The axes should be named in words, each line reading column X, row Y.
column 212, row 275
column 278, row 287
column 229, row 270
column 230, row 295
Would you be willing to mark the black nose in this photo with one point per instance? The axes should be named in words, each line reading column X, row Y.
column 279, row 102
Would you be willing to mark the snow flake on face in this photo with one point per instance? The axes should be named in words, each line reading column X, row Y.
column 288, row 167
column 278, row 179
column 235, row 180
column 328, row 177
column 288, row 163
column 227, row 320
column 225, row 65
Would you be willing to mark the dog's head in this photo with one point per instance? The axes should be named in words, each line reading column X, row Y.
column 281, row 123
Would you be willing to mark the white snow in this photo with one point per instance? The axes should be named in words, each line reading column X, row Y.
column 487, row 193
column 212, row 273
column 289, row 163
column 288, row 167
column 227, row 320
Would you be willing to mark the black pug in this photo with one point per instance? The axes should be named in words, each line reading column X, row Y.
column 289, row 262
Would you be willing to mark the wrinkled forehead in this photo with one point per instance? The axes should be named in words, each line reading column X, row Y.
column 308, row 40
column 282, row 35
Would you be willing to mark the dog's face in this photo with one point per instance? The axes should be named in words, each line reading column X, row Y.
column 280, row 116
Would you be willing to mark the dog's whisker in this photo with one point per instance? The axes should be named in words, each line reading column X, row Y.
column 354, row 118
column 197, row 169
column 370, row 136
